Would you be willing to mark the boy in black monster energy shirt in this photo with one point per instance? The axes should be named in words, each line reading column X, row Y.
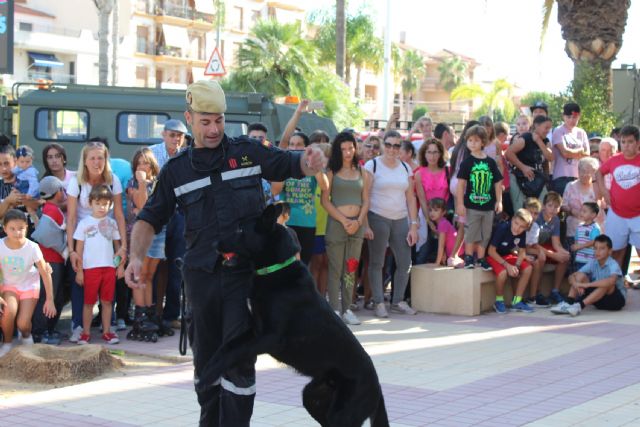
column 478, row 196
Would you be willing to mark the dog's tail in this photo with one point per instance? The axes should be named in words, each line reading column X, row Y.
column 380, row 418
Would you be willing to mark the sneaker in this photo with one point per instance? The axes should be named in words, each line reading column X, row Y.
column 354, row 307
column 468, row 262
column 83, row 339
column 75, row 334
column 110, row 338
column 403, row 308
column 120, row 325
column 542, row 301
column 370, row 305
column 350, row 318
column 561, row 308
column 574, row 309
column 6, row 348
column 522, row 306
column 530, row 300
column 380, row 310
column 499, row 307
column 52, row 338
column 27, row 341
column 555, row 296
column 484, row 265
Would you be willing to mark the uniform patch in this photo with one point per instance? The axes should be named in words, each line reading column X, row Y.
column 246, row 161
column 233, row 163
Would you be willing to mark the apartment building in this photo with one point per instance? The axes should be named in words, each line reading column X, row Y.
column 161, row 43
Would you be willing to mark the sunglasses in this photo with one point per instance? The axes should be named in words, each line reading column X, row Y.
column 395, row 146
column 375, row 147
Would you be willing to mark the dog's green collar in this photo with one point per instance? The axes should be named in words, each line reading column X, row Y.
column 275, row 267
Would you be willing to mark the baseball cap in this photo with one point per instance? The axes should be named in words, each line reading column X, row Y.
column 539, row 104
column 593, row 136
column 570, row 109
column 206, row 96
column 49, row 186
column 175, row 125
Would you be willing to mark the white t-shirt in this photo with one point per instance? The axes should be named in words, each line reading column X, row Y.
column 84, row 210
column 388, row 198
column 577, row 138
column 98, row 235
column 18, row 269
column 533, row 234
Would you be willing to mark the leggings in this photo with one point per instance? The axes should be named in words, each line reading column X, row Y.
column 342, row 247
column 307, row 237
column 392, row 233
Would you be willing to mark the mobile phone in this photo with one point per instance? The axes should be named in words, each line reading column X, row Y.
column 316, row 105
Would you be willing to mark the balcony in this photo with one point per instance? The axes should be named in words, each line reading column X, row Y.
column 168, row 13
column 170, row 55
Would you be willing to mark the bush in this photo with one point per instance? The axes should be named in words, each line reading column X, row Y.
column 418, row 112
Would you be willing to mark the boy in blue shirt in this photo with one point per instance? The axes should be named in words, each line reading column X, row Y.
column 507, row 253
column 585, row 235
column 598, row 283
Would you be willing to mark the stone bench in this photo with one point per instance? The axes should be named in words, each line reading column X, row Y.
column 445, row 290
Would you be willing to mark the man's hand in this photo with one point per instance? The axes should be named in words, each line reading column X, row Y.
column 313, row 159
column 132, row 274
column 512, row 270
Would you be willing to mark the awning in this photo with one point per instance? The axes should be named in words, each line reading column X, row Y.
column 45, row 60
column 175, row 36
column 206, row 6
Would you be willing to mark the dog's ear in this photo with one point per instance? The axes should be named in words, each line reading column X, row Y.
column 267, row 221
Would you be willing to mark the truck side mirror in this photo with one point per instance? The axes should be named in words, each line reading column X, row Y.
column 3, row 101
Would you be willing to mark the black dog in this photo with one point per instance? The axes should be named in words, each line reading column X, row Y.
column 296, row 326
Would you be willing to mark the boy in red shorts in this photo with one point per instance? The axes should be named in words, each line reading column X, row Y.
column 98, row 239
column 507, row 252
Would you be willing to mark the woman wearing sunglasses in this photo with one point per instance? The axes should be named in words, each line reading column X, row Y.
column 393, row 219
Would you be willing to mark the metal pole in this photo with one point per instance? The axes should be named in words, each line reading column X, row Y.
column 218, row 17
column 387, row 63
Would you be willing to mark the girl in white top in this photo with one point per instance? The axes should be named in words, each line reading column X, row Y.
column 20, row 289
column 393, row 220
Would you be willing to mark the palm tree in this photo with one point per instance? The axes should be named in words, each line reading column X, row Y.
column 363, row 48
column 104, row 10
column 275, row 59
column 114, row 42
column 340, row 38
column 498, row 98
column 593, row 32
column 452, row 71
column 413, row 71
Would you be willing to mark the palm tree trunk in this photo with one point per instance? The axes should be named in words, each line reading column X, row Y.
column 341, row 38
column 357, row 89
column 114, row 44
column 104, row 10
column 347, row 72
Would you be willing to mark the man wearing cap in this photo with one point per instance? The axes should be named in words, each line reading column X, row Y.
column 168, row 275
column 539, row 108
column 216, row 182
column 570, row 144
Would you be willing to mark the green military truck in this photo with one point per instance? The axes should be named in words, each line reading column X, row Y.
column 38, row 114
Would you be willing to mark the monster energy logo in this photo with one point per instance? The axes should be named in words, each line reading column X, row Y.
column 481, row 179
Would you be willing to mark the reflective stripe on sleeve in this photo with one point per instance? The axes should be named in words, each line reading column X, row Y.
column 192, row 186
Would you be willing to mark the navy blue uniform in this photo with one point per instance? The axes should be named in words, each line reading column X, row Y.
column 216, row 189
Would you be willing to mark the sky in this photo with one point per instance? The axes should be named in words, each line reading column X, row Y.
column 502, row 35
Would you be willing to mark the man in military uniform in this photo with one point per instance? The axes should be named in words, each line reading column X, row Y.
column 216, row 183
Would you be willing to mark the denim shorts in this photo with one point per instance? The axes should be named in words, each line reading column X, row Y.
column 156, row 250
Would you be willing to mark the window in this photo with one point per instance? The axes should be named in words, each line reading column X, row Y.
column 62, row 125
column 235, row 129
column 142, row 36
column 140, row 128
column 142, row 76
column 370, row 92
column 237, row 18
column 25, row 26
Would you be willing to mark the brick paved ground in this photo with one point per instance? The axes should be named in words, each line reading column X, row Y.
column 518, row 369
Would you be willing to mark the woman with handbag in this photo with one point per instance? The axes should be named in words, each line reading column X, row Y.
column 526, row 155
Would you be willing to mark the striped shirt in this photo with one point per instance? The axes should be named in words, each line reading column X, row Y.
column 160, row 153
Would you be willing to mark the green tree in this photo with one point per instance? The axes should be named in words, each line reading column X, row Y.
column 591, row 96
column 592, row 30
column 275, row 60
column 338, row 104
column 363, row 48
column 554, row 101
column 412, row 72
column 497, row 99
column 453, row 71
